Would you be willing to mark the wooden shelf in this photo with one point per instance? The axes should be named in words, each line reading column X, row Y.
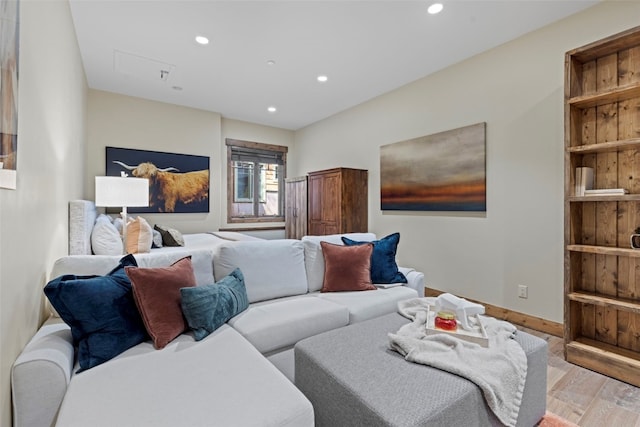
column 606, row 359
column 597, row 49
column 606, row 147
column 622, row 304
column 620, row 93
column 606, row 198
column 605, row 250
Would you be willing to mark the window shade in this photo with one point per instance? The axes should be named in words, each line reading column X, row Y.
column 243, row 154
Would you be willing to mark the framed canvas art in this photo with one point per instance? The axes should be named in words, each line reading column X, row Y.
column 440, row 172
column 9, row 44
column 177, row 182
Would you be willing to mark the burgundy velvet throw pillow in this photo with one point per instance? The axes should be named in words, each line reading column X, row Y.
column 347, row 268
column 157, row 295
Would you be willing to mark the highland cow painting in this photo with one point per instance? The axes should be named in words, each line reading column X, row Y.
column 440, row 172
column 177, row 182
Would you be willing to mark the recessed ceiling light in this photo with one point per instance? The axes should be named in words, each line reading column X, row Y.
column 435, row 8
column 202, row 40
column 271, row 62
column 322, row 78
column 176, row 88
column 272, row 109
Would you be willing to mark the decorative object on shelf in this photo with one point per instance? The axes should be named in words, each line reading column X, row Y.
column 584, row 180
column 9, row 52
column 606, row 192
column 122, row 191
column 635, row 239
column 445, row 171
column 177, row 182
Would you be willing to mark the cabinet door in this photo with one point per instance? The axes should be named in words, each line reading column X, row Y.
column 314, row 212
column 331, row 201
column 315, row 198
column 296, row 211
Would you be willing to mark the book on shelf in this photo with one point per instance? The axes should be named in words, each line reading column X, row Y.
column 606, row 191
column 584, row 180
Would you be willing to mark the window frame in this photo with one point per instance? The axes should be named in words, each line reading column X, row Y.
column 278, row 150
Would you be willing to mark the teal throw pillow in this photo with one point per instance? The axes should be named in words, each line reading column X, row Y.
column 383, row 259
column 208, row 307
column 101, row 312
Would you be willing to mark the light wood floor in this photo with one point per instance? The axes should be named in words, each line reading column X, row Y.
column 584, row 397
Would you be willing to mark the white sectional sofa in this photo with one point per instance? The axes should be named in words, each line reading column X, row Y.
column 240, row 375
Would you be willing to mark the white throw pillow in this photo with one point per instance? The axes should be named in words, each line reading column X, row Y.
column 157, row 239
column 105, row 239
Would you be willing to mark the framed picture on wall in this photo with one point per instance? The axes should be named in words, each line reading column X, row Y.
column 177, row 182
column 9, row 50
column 445, row 171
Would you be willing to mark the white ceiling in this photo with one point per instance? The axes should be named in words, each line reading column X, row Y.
column 366, row 48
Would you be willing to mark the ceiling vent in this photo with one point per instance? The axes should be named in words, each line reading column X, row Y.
column 141, row 67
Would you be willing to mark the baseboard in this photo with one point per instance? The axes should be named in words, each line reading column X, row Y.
column 537, row 323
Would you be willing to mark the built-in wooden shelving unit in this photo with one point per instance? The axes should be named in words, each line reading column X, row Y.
column 602, row 271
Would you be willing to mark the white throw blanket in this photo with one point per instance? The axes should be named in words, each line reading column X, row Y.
column 499, row 370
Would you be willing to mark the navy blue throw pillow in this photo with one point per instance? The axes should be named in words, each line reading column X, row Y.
column 101, row 312
column 208, row 307
column 383, row 259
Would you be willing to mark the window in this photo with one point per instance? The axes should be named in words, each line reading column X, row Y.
column 255, row 176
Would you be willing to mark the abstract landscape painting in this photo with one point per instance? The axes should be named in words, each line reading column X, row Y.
column 439, row 172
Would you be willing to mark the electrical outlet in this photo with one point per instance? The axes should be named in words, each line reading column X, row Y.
column 523, row 291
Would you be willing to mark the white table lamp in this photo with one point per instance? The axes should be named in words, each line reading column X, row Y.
column 122, row 191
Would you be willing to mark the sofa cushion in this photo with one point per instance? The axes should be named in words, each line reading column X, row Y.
column 367, row 305
column 347, row 268
column 277, row 324
column 271, row 268
column 208, row 307
column 201, row 260
column 157, row 295
column 188, row 383
column 101, row 312
column 313, row 259
column 383, row 259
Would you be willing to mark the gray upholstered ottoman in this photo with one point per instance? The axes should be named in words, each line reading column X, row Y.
column 353, row 379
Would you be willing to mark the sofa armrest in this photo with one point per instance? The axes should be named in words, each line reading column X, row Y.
column 40, row 375
column 415, row 279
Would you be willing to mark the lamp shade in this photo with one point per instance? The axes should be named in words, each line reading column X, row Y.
column 116, row 191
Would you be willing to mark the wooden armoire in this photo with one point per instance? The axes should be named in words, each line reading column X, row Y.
column 295, row 222
column 337, row 201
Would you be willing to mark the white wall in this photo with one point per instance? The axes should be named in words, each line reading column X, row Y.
column 517, row 89
column 122, row 121
column 51, row 141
